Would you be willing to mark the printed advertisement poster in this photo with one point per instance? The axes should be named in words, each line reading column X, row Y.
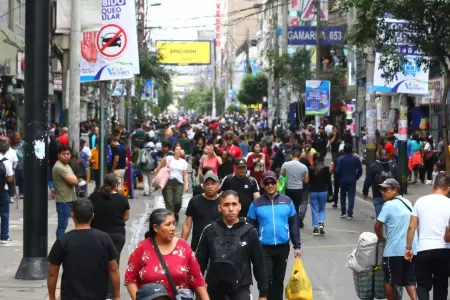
column 413, row 79
column 317, row 98
column 111, row 53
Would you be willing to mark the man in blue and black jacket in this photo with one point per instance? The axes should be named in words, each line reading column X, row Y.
column 274, row 216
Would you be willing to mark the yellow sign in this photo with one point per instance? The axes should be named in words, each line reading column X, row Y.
column 184, row 53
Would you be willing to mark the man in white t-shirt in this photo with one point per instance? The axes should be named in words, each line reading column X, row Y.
column 431, row 216
column 11, row 155
column 4, row 204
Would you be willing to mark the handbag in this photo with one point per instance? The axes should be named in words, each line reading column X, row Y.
column 162, row 177
column 181, row 294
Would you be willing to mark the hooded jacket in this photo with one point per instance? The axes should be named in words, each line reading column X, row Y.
column 371, row 179
column 253, row 251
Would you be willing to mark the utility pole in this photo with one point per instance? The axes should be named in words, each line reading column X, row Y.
column 318, row 63
column 371, row 111
column 403, row 144
column 103, row 128
column 214, row 74
column 34, row 264
column 284, row 101
column 276, row 83
column 75, row 58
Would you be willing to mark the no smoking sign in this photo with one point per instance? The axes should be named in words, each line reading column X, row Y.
column 111, row 41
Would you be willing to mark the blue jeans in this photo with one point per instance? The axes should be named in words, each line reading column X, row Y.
column 19, row 180
column 4, row 216
column 50, row 177
column 63, row 210
column 317, row 200
column 378, row 204
column 350, row 189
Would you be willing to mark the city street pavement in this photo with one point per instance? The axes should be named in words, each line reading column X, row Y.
column 324, row 257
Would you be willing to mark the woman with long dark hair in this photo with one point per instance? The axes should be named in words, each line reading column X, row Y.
column 320, row 188
column 111, row 211
column 145, row 267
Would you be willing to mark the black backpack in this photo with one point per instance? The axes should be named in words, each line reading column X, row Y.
column 3, row 178
column 384, row 174
column 228, row 262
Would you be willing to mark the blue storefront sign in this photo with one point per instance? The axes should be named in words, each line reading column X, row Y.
column 317, row 98
column 306, row 35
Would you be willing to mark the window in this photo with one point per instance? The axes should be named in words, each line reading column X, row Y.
column 20, row 17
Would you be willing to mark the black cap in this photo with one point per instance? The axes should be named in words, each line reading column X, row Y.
column 151, row 291
column 240, row 162
column 269, row 175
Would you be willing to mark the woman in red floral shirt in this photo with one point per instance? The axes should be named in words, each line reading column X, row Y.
column 145, row 267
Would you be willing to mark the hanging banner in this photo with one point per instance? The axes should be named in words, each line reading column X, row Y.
column 111, row 53
column 317, row 98
column 147, row 90
column 90, row 21
column 294, row 5
column 412, row 79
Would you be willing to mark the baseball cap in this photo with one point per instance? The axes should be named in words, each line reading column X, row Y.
column 212, row 177
column 269, row 175
column 240, row 162
column 390, row 183
column 151, row 291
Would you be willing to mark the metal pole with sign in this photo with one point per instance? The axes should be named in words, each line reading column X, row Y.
column 402, row 145
column 103, row 131
column 34, row 263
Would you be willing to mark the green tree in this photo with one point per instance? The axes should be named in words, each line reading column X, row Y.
column 201, row 101
column 151, row 69
column 338, row 86
column 253, row 89
column 233, row 108
column 165, row 96
column 428, row 30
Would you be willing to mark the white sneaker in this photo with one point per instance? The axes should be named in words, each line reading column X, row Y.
column 428, row 182
column 7, row 242
column 11, row 201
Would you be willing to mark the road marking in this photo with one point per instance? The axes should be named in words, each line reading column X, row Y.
column 138, row 226
column 328, row 246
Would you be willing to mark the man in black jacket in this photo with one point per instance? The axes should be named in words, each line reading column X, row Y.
column 380, row 169
column 227, row 249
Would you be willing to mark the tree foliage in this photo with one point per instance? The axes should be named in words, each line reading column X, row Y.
column 165, row 96
column 253, row 89
column 151, row 69
column 233, row 108
column 338, row 85
column 427, row 30
column 201, row 101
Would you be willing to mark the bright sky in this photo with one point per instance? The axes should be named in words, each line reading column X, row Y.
column 180, row 19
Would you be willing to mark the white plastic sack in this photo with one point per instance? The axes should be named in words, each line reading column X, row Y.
column 352, row 264
column 365, row 253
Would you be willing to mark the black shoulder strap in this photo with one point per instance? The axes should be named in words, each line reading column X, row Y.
column 244, row 229
column 404, row 204
column 3, row 159
column 163, row 264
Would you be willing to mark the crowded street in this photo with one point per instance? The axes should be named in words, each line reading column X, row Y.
column 324, row 257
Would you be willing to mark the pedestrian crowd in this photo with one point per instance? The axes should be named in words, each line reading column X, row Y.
column 251, row 187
